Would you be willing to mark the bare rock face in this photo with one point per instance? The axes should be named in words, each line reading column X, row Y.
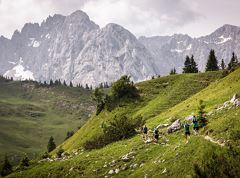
column 73, row 48
column 170, row 51
column 234, row 98
column 174, row 127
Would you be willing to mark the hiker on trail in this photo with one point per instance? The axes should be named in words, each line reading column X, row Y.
column 186, row 131
column 202, row 120
column 145, row 132
column 155, row 135
column 195, row 125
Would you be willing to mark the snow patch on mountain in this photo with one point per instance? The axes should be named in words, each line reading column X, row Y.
column 34, row 43
column 19, row 73
column 10, row 62
column 48, row 36
column 189, row 47
column 224, row 40
column 177, row 50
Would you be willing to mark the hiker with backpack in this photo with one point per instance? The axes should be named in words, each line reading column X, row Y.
column 195, row 125
column 186, row 131
column 155, row 135
column 145, row 133
column 202, row 120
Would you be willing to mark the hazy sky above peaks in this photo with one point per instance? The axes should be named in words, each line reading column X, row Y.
column 141, row 17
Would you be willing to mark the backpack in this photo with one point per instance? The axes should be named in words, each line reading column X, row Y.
column 186, row 127
column 145, row 130
column 156, row 132
column 194, row 120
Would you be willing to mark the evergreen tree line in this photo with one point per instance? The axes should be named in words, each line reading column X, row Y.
column 6, row 79
column 6, row 168
column 52, row 83
column 190, row 66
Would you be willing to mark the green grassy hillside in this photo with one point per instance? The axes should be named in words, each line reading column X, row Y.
column 163, row 98
column 30, row 114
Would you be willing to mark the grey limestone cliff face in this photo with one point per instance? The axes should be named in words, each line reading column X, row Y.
column 170, row 51
column 74, row 48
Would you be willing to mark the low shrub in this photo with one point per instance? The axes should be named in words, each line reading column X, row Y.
column 118, row 129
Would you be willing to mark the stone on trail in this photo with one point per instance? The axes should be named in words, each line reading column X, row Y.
column 164, row 171
column 117, row 170
column 174, row 127
column 111, row 172
column 234, row 98
column 162, row 126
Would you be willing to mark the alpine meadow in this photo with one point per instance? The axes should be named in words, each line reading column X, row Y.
column 96, row 93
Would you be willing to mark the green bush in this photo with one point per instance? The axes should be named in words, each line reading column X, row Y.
column 60, row 151
column 124, row 88
column 118, row 129
column 24, row 162
column 45, row 155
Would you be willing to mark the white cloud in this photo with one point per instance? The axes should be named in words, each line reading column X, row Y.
column 142, row 17
column 145, row 17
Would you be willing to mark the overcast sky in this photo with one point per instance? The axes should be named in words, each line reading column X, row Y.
column 141, row 17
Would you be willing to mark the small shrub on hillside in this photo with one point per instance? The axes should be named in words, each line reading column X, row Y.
column 24, row 162
column 6, row 167
column 118, row 129
column 45, row 155
column 59, row 153
column 69, row 134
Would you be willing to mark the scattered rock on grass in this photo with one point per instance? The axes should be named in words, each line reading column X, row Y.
column 111, row 172
column 174, row 127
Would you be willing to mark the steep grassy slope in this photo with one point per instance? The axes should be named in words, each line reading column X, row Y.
column 30, row 114
column 156, row 96
column 174, row 159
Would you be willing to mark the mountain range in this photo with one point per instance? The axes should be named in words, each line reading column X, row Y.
column 74, row 48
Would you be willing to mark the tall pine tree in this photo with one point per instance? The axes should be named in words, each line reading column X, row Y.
column 173, row 71
column 193, row 64
column 190, row 66
column 71, row 84
column 223, row 66
column 233, row 62
column 212, row 63
column 51, row 144
column 187, row 65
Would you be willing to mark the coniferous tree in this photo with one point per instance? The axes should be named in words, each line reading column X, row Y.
column 64, row 83
column 24, row 162
column 51, row 144
column 69, row 134
column 233, row 62
column 51, row 82
column 71, row 85
column 173, row 71
column 6, row 167
column 56, row 82
column 223, row 66
column 187, row 65
column 193, row 65
column 87, row 87
column 190, row 66
column 212, row 63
